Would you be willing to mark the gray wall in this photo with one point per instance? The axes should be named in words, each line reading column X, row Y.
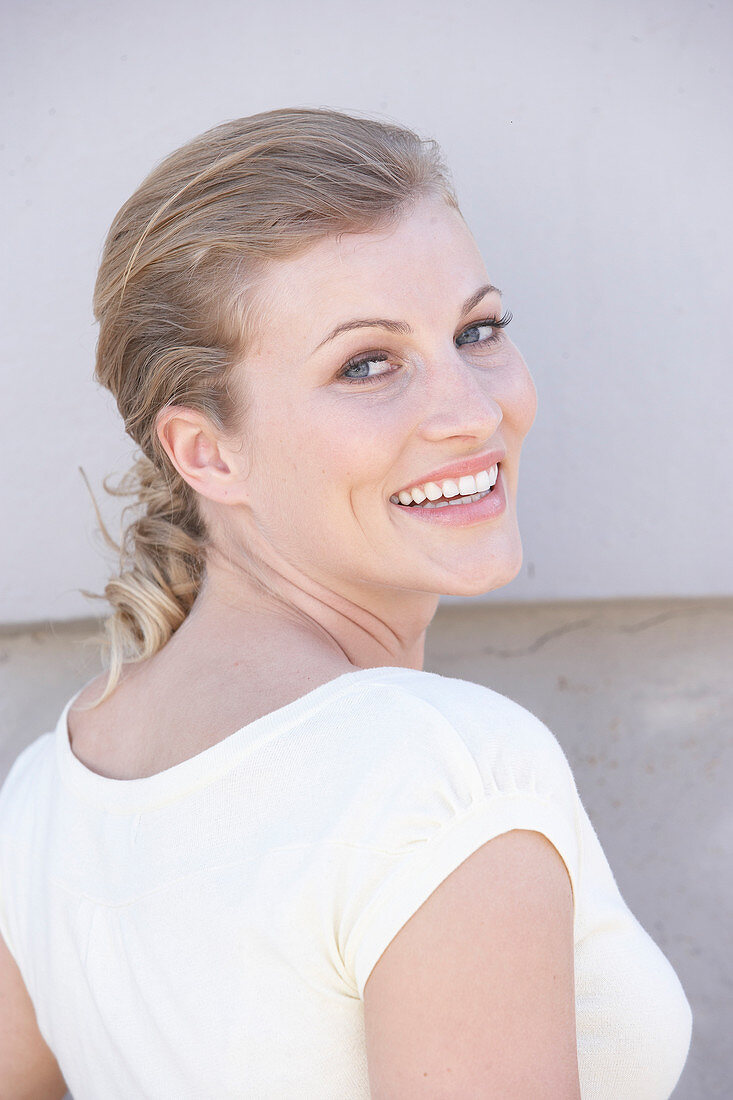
column 591, row 147
column 640, row 696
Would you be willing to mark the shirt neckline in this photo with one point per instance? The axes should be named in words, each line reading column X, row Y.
column 146, row 792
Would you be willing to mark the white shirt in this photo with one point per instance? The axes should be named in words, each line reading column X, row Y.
column 208, row 931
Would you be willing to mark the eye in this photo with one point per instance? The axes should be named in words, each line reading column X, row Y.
column 490, row 328
column 363, row 363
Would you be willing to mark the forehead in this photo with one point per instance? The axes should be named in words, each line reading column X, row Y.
column 427, row 257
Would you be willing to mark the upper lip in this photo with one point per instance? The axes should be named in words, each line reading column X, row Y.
column 461, row 468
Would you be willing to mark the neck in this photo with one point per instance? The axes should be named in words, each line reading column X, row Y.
column 285, row 609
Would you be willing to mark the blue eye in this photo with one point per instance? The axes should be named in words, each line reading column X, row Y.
column 479, row 339
column 357, row 364
column 493, row 324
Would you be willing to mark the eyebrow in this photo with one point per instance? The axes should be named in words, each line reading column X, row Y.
column 401, row 327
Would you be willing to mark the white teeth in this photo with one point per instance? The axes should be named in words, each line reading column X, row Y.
column 457, row 502
column 464, row 487
column 486, row 478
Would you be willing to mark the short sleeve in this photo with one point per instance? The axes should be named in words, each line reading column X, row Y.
column 441, row 781
column 16, row 821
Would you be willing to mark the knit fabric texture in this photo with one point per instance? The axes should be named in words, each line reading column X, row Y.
column 209, row 930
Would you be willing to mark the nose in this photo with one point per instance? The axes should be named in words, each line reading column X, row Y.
column 459, row 400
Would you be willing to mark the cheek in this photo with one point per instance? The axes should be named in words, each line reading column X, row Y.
column 519, row 400
column 530, row 401
column 328, row 446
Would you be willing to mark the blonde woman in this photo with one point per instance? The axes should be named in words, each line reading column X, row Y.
column 265, row 854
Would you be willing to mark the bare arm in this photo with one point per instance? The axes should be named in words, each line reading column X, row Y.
column 28, row 1069
column 475, row 995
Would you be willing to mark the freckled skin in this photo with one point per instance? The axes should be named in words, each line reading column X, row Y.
column 327, row 454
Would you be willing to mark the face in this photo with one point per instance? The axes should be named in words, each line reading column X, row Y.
column 340, row 425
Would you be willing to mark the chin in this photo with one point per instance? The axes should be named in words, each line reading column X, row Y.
column 487, row 576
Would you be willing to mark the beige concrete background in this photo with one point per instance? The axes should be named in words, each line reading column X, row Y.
column 640, row 695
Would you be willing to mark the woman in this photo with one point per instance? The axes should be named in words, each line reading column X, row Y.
column 267, row 855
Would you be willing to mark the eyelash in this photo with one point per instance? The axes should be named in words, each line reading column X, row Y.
column 381, row 357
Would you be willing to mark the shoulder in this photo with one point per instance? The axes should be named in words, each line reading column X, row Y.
column 29, row 770
column 422, row 751
column 462, row 703
column 433, row 719
column 26, row 793
column 435, row 769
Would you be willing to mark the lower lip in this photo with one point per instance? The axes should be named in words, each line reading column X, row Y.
column 462, row 515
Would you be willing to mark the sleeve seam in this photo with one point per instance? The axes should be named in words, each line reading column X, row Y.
column 489, row 799
column 405, row 889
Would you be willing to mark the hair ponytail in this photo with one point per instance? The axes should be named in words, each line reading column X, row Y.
column 161, row 565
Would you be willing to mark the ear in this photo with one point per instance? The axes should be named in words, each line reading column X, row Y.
column 197, row 453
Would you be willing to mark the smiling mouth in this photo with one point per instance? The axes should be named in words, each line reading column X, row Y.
column 449, row 493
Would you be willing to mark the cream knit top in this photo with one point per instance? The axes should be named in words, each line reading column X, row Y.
column 208, row 931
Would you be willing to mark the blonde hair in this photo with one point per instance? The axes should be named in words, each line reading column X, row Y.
column 176, row 300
